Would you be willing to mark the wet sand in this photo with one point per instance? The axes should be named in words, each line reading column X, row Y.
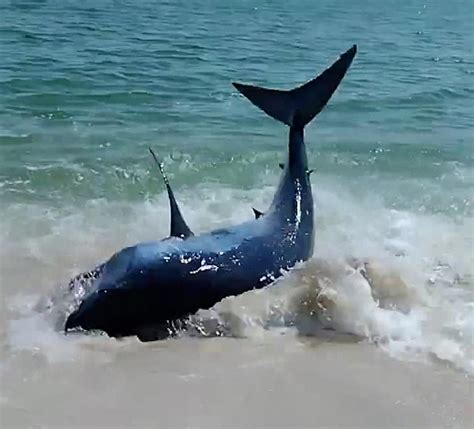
column 230, row 383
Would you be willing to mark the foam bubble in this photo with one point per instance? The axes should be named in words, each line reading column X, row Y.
column 400, row 279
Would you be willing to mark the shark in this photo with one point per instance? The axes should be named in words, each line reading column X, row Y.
column 156, row 282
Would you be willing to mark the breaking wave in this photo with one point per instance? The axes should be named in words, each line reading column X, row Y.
column 398, row 279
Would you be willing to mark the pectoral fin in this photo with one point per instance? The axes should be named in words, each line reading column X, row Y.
column 178, row 228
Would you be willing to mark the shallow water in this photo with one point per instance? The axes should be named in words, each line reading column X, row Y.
column 86, row 87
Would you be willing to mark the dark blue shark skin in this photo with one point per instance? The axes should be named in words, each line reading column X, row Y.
column 156, row 282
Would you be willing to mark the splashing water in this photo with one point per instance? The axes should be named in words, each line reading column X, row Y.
column 391, row 281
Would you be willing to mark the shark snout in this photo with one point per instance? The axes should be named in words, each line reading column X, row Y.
column 73, row 321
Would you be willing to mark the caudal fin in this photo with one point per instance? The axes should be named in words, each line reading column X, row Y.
column 299, row 106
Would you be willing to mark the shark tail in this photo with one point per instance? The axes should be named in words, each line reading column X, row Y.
column 297, row 107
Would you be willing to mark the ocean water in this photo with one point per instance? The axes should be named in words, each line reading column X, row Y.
column 86, row 87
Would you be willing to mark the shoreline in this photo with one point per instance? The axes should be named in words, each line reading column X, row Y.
column 219, row 383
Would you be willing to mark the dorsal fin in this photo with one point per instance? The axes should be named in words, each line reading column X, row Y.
column 178, row 228
column 258, row 213
column 281, row 165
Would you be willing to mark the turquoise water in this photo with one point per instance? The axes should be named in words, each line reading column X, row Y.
column 86, row 87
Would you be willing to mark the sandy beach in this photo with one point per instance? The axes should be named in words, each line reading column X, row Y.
column 222, row 383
